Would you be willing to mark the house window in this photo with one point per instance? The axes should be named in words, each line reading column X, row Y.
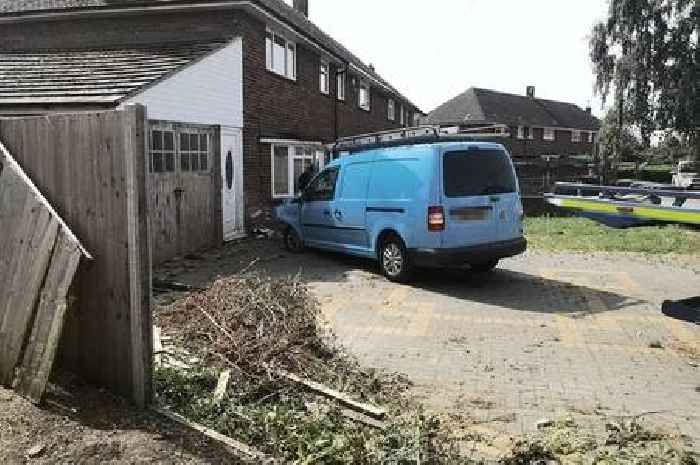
column 548, row 134
column 364, row 98
column 591, row 135
column 525, row 132
column 162, row 158
column 194, row 152
column 280, row 55
column 324, row 78
column 391, row 109
column 402, row 115
column 340, row 80
column 289, row 162
column 575, row 136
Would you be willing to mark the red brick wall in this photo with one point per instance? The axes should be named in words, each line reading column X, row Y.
column 561, row 145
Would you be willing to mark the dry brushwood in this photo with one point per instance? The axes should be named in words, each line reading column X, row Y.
column 252, row 322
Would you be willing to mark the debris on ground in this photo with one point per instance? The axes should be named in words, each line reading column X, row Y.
column 625, row 441
column 293, row 392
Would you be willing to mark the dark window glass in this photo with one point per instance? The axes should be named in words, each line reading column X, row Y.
column 168, row 141
column 184, row 142
column 194, row 162
column 169, row 161
column 203, row 142
column 184, row 161
column 323, row 187
column 478, row 172
column 194, row 142
column 157, row 140
column 157, row 162
column 203, row 162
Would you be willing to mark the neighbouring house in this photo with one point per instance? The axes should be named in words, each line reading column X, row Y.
column 537, row 127
column 274, row 87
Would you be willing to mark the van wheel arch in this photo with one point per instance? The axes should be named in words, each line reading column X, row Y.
column 394, row 262
column 383, row 236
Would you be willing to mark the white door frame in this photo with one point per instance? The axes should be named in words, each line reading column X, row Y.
column 233, row 199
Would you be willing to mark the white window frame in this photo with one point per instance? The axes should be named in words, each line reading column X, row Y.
column 591, row 136
column 391, row 109
column 367, row 106
column 549, row 135
column 162, row 151
column 290, row 70
column 198, row 154
column 311, row 152
column 521, row 132
column 324, row 77
column 576, row 136
column 341, row 85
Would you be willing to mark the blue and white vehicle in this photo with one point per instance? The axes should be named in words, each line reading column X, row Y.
column 412, row 201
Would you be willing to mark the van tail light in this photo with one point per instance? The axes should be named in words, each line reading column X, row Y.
column 436, row 219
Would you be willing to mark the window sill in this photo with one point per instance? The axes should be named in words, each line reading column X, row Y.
column 281, row 76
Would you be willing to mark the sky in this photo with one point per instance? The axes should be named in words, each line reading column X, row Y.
column 434, row 50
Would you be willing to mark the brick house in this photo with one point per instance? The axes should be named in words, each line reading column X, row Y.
column 538, row 127
column 277, row 85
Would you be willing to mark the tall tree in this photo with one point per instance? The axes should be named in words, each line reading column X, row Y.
column 646, row 52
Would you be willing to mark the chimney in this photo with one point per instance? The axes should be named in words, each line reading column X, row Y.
column 588, row 109
column 302, row 6
column 530, row 91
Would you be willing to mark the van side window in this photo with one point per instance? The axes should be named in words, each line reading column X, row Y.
column 323, row 187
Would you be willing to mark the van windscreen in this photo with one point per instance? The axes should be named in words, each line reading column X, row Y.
column 477, row 172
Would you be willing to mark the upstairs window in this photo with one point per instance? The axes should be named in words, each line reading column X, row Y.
column 575, row 136
column 591, row 135
column 549, row 134
column 280, row 55
column 324, row 78
column 340, row 81
column 363, row 96
column 525, row 132
column 402, row 115
column 391, row 109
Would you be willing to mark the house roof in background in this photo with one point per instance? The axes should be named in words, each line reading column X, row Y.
column 100, row 76
column 483, row 105
column 278, row 8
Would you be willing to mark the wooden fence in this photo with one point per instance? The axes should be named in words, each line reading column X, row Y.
column 92, row 168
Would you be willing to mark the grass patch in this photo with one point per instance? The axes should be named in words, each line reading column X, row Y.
column 583, row 235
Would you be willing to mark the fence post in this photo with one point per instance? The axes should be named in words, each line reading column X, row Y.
column 140, row 312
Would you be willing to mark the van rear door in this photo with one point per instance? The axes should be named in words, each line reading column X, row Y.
column 479, row 185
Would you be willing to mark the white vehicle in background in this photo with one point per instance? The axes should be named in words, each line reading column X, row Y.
column 687, row 175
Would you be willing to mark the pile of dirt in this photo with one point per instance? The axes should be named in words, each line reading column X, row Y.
column 83, row 425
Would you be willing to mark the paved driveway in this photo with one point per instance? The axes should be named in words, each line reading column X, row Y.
column 543, row 336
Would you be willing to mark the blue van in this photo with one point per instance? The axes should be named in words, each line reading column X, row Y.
column 446, row 203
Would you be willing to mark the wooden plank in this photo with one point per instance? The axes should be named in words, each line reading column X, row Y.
column 33, row 374
column 222, row 385
column 371, row 410
column 22, row 281
column 237, row 446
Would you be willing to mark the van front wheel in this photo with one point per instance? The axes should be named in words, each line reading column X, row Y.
column 292, row 241
column 393, row 260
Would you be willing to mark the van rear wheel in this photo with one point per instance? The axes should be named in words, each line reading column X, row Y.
column 393, row 260
column 484, row 267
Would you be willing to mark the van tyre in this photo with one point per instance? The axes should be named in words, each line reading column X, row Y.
column 393, row 259
column 292, row 241
column 484, row 267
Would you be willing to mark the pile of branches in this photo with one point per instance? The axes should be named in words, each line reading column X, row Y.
column 250, row 323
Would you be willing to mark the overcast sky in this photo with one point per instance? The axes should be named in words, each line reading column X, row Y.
column 433, row 50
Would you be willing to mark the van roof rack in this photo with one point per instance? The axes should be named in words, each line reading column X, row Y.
column 419, row 135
